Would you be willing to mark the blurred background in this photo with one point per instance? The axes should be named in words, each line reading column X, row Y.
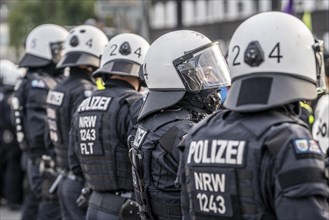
column 217, row 19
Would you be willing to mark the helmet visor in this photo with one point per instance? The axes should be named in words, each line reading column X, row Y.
column 203, row 68
column 320, row 69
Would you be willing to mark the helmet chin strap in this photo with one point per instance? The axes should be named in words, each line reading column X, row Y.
column 209, row 99
column 291, row 108
column 204, row 102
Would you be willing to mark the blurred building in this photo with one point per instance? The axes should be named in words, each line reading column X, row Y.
column 125, row 15
column 215, row 18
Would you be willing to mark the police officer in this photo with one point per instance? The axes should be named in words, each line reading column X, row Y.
column 320, row 129
column 183, row 71
column 257, row 159
column 11, row 179
column 82, row 51
column 102, row 125
column 42, row 52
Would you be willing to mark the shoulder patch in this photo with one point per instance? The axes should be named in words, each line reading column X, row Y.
column 307, row 148
column 87, row 93
column 139, row 137
column 38, row 83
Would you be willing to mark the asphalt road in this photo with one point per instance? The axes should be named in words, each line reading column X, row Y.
column 6, row 214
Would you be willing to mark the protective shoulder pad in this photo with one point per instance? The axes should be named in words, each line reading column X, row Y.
column 276, row 141
column 166, row 117
column 260, row 123
column 131, row 98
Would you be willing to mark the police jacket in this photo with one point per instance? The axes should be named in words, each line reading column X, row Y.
column 156, row 142
column 7, row 127
column 320, row 129
column 62, row 101
column 253, row 166
column 29, row 105
column 100, row 131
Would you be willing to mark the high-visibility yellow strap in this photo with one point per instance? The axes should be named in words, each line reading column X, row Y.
column 310, row 112
column 100, row 84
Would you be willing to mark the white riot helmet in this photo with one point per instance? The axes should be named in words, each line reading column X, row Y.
column 274, row 60
column 123, row 55
column 43, row 45
column 179, row 62
column 83, row 46
column 9, row 73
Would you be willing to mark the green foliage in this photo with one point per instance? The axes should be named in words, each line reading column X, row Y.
column 27, row 14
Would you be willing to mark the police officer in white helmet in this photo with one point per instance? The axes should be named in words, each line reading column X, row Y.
column 183, row 71
column 102, row 125
column 82, row 51
column 43, row 50
column 257, row 159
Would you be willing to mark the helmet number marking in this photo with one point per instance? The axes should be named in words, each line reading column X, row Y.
column 275, row 53
column 34, row 43
column 114, row 47
column 138, row 52
column 89, row 42
column 235, row 63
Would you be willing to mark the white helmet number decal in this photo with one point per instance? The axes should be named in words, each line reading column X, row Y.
column 89, row 42
column 34, row 43
column 275, row 53
column 124, row 49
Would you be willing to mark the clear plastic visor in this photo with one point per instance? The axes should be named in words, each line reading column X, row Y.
column 206, row 69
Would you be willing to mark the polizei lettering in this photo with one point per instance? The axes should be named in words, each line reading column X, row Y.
column 94, row 103
column 209, row 182
column 229, row 152
column 51, row 114
column 87, row 148
column 212, row 191
column 55, row 98
column 87, row 121
column 212, row 183
column 139, row 137
column 88, row 134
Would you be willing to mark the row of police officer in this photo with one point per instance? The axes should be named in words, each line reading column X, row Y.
column 236, row 163
column 254, row 160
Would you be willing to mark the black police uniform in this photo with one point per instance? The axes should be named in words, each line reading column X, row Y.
column 11, row 177
column 253, row 166
column 29, row 105
column 156, row 159
column 99, row 135
column 62, row 102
